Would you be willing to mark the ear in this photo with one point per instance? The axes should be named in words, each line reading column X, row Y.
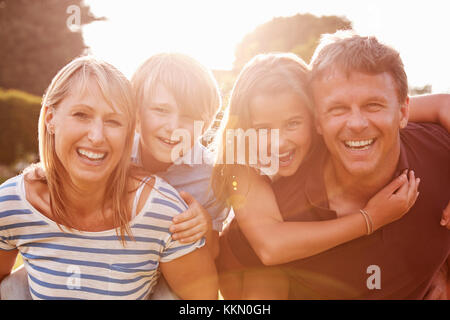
column 49, row 119
column 404, row 113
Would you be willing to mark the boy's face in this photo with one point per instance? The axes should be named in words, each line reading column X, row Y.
column 157, row 120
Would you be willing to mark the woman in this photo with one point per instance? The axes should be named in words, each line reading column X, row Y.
column 88, row 225
column 271, row 93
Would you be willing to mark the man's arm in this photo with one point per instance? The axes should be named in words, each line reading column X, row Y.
column 430, row 108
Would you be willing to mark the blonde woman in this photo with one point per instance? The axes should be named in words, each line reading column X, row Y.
column 89, row 225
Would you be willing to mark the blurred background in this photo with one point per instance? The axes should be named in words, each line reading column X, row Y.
column 38, row 37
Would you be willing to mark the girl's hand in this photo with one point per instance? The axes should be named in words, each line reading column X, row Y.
column 445, row 221
column 193, row 223
column 394, row 200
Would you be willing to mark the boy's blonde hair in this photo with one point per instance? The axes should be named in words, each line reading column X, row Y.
column 193, row 86
column 116, row 91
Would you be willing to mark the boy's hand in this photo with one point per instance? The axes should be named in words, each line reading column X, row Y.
column 193, row 223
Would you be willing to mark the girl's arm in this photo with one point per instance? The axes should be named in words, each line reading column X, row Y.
column 276, row 241
column 430, row 108
column 192, row 276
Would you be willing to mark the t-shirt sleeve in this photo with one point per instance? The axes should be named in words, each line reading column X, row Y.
column 8, row 214
column 175, row 205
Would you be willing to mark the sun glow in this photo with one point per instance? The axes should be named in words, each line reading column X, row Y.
column 209, row 30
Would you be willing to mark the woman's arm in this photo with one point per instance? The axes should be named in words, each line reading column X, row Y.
column 192, row 276
column 430, row 108
column 195, row 223
column 7, row 260
column 276, row 241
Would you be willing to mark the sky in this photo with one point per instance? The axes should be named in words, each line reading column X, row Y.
column 209, row 30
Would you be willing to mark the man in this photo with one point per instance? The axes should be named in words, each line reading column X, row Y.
column 360, row 90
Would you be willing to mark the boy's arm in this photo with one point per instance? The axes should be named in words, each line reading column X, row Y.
column 192, row 276
column 430, row 108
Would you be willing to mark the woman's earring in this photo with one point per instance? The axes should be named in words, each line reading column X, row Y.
column 51, row 129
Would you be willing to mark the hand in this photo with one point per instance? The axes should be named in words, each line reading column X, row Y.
column 193, row 223
column 394, row 200
column 445, row 221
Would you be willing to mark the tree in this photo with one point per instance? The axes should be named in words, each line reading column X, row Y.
column 36, row 40
column 298, row 34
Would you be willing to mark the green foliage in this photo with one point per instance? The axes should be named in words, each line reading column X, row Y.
column 19, row 114
column 36, row 41
column 298, row 34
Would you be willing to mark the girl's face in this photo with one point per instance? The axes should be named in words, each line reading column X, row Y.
column 287, row 113
column 90, row 135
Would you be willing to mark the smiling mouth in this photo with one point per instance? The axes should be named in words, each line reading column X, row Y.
column 359, row 144
column 169, row 142
column 90, row 155
column 286, row 158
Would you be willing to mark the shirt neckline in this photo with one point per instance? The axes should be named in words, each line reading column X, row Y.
column 22, row 194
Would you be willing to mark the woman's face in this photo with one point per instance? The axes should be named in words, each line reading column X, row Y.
column 287, row 113
column 90, row 135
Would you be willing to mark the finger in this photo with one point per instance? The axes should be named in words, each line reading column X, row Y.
column 445, row 220
column 189, row 214
column 396, row 183
column 185, row 225
column 187, row 197
column 403, row 190
column 182, row 236
column 411, row 188
column 192, row 238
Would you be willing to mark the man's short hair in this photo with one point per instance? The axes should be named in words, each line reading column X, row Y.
column 348, row 52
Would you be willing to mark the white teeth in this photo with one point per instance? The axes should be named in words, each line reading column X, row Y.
column 91, row 155
column 169, row 141
column 359, row 143
column 284, row 154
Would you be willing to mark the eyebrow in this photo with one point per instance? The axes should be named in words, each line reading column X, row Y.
column 92, row 109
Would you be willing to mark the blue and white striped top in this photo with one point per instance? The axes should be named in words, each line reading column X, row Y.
column 91, row 265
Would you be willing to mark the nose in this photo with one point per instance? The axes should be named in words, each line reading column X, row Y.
column 283, row 141
column 96, row 132
column 172, row 123
column 357, row 121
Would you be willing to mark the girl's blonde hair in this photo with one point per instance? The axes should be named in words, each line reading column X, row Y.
column 116, row 91
column 265, row 74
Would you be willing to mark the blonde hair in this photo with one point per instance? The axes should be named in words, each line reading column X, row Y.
column 348, row 52
column 116, row 91
column 193, row 86
column 272, row 73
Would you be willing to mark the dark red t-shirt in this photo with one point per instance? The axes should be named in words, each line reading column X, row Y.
column 406, row 253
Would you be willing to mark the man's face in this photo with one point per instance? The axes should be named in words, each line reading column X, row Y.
column 359, row 117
